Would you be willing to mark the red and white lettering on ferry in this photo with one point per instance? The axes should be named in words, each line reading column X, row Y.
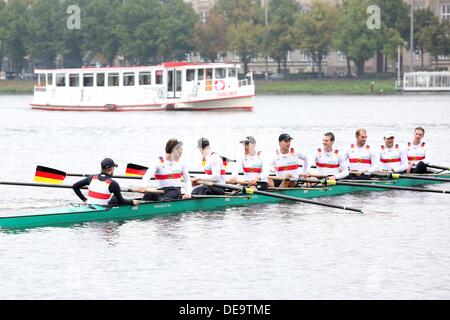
column 227, row 94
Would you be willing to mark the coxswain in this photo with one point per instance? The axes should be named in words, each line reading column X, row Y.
column 362, row 159
column 288, row 164
column 329, row 161
column 392, row 157
column 214, row 170
column 418, row 153
column 253, row 166
column 103, row 190
column 168, row 171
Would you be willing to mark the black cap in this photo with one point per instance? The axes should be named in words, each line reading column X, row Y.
column 248, row 140
column 108, row 163
column 202, row 143
column 284, row 136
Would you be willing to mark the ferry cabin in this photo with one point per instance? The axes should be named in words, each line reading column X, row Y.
column 170, row 86
column 426, row 81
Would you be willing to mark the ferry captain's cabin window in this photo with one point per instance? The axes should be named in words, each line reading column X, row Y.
column 113, row 79
column 145, row 78
column 88, row 80
column 190, row 75
column 128, row 79
column 100, row 79
column 232, row 73
column 50, row 79
column 60, row 79
column 220, row 73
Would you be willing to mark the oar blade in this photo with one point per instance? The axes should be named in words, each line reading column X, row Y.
column 49, row 175
column 135, row 170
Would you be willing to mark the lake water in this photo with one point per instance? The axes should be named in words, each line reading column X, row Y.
column 287, row 251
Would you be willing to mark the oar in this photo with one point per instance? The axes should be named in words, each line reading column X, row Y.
column 276, row 195
column 414, row 177
column 49, row 185
column 438, row 167
column 326, row 182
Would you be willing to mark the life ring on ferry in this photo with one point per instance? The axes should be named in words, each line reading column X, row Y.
column 219, row 85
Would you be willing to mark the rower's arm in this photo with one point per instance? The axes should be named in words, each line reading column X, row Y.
column 80, row 184
column 428, row 158
column 375, row 158
column 236, row 168
column 187, row 180
column 306, row 162
column 404, row 162
column 115, row 189
column 265, row 169
column 342, row 168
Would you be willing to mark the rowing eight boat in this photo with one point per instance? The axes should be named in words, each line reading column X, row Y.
column 86, row 213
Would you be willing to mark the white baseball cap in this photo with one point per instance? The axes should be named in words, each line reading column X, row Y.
column 389, row 134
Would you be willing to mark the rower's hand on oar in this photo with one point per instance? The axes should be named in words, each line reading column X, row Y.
column 233, row 181
column 195, row 181
column 410, row 166
column 187, row 196
column 136, row 202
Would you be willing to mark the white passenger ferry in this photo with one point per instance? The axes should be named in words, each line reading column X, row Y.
column 169, row 86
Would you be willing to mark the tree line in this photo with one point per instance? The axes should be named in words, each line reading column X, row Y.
column 153, row 31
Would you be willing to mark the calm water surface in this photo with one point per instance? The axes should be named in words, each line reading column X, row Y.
column 401, row 250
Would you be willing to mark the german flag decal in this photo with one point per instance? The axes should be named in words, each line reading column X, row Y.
column 135, row 170
column 49, row 175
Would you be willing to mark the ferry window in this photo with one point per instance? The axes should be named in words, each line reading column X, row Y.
column 209, row 74
column 201, row 74
column 41, row 80
column 128, row 79
column 100, row 79
column 50, row 79
column 88, row 80
column 113, row 79
column 178, row 80
column 190, row 75
column 220, row 73
column 232, row 73
column 159, row 77
column 60, row 79
column 74, row 80
column 145, row 78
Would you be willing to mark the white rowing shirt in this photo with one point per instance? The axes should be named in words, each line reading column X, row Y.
column 331, row 163
column 293, row 163
column 168, row 173
column 253, row 167
column 393, row 159
column 418, row 152
column 363, row 159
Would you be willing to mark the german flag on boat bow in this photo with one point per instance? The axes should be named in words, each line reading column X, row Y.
column 49, row 175
column 135, row 170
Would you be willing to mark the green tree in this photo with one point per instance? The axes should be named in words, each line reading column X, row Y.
column 436, row 39
column 138, row 29
column 210, row 38
column 245, row 30
column 423, row 18
column 99, row 23
column 14, row 32
column 44, row 36
column 279, row 37
column 353, row 37
column 315, row 31
column 73, row 52
column 176, row 35
column 2, row 33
